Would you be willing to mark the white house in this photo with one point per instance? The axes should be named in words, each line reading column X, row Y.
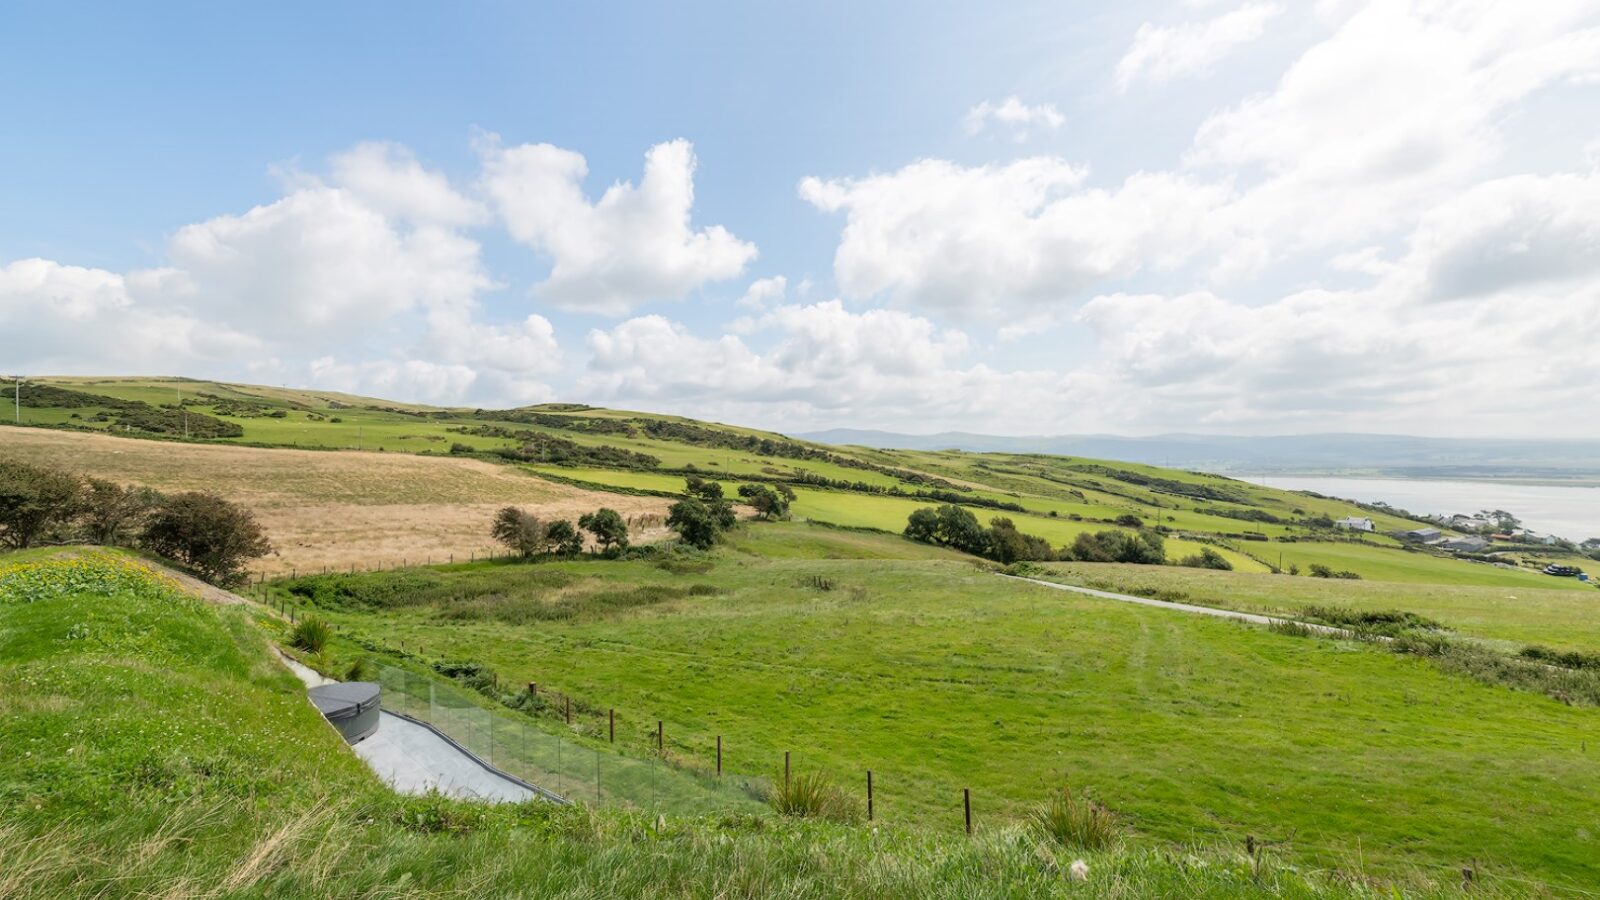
column 1354, row 523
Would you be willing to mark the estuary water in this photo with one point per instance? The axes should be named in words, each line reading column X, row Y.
column 1561, row 510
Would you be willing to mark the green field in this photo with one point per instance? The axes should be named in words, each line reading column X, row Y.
column 938, row 676
column 1534, row 612
column 155, row 747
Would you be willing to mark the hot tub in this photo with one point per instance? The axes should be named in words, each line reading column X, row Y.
column 351, row 706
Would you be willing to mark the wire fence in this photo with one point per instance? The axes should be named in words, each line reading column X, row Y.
column 574, row 769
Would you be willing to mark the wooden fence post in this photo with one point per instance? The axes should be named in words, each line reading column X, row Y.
column 661, row 737
column 569, row 709
column 719, row 754
column 785, row 770
column 966, row 804
column 612, row 715
column 869, row 795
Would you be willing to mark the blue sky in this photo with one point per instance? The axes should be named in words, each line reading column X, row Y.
column 1198, row 215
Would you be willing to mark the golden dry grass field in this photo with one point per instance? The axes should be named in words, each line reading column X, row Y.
column 332, row 508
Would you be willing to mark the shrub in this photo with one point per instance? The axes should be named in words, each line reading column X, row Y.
column 812, row 795
column 109, row 510
column 1074, row 821
column 1387, row 622
column 210, row 535
column 694, row 522
column 1207, row 559
column 1318, row 570
column 361, row 669
column 34, row 499
column 1566, row 659
column 1146, row 547
column 311, row 634
column 1291, row 628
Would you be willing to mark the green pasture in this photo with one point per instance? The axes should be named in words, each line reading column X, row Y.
column 1534, row 612
column 939, row 676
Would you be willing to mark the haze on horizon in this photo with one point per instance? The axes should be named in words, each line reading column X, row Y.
column 1201, row 216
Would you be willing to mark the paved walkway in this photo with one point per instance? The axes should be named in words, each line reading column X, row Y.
column 1252, row 618
column 414, row 759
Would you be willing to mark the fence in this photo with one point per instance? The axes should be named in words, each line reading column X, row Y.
column 576, row 770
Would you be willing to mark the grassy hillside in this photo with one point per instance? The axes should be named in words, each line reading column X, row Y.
column 939, row 676
column 155, row 748
column 621, row 453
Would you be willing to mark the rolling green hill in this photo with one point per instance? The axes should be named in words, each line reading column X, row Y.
column 1257, row 529
column 155, row 747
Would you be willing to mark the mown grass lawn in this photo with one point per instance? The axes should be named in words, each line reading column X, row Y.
column 939, row 676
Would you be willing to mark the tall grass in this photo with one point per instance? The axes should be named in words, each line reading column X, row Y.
column 1075, row 821
column 812, row 795
column 311, row 634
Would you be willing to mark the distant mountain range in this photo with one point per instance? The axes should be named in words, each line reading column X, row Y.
column 1367, row 454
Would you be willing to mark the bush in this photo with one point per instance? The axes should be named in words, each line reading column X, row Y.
column 1318, row 570
column 109, row 510
column 694, row 522
column 608, row 527
column 1077, row 822
column 1386, row 622
column 1207, row 559
column 210, row 535
column 1146, row 547
column 33, row 500
column 812, row 795
column 311, row 635
column 361, row 669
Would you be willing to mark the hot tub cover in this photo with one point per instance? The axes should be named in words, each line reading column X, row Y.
column 345, row 700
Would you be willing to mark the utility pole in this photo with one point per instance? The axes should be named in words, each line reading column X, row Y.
column 19, row 398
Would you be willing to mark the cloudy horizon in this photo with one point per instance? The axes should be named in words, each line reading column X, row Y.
column 1203, row 216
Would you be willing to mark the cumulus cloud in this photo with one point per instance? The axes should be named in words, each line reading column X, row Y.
column 763, row 291
column 633, row 245
column 817, row 363
column 1011, row 113
column 1164, row 53
column 299, row 289
column 974, row 239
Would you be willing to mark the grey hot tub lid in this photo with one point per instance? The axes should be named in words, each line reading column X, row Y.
column 346, row 699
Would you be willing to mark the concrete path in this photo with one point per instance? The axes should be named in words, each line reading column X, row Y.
column 1252, row 618
column 414, row 759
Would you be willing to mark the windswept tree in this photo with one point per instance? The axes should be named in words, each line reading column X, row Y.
column 519, row 530
column 769, row 503
column 923, row 525
column 207, row 533
column 707, row 491
column 696, row 524
column 561, row 536
column 33, row 500
column 109, row 511
column 610, row 530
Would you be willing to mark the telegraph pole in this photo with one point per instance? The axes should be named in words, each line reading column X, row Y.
column 19, row 398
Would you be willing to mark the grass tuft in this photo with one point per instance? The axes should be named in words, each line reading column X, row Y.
column 311, row 634
column 812, row 795
column 1077, row 822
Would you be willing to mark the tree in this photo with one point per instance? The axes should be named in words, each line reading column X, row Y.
column 109, row 510
column 561, row 537
column 959, row 528
column 707, row 491
column 34, row 499
column 610, row 530
column 694, row 522
column 1130, row 520
column 923, row 525
column 519, row 530
column 768, row 503
column 210, row 535
column 1146, row 547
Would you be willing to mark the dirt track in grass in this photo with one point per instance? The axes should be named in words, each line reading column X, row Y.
column 334, row 508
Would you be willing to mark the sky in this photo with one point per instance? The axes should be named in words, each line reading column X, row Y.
column 1212, row 216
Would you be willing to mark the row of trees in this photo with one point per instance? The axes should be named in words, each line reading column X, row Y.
column 528, row 535
column 47, row 505
column 957, row 528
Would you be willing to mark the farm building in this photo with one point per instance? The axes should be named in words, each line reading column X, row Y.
column 1354, row 523
column 1422, row 535
column 1468, row 544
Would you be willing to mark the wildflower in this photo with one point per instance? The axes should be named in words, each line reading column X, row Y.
column 1079, row 870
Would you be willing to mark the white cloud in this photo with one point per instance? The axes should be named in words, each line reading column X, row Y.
column 299, row 288
column 971, row 240
column 72, row 319
column 633, row 245
column 1013, row 114
column 763, row 291
column 1395, row 111
column 1160, row 54
column 388, row 178
column 824, row 364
